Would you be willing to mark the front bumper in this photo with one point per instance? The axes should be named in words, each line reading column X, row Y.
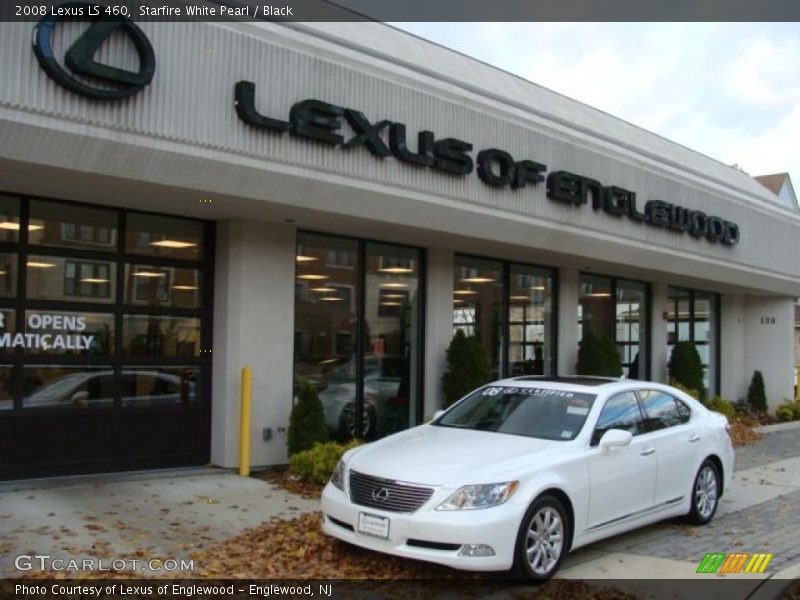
column 496, row 527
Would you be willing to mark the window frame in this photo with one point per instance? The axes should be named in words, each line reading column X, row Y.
column 640, row 408
column 675, row 402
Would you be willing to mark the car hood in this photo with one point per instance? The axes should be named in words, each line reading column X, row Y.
column 450, row 456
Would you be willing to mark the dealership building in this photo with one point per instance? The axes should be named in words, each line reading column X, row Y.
column 329, row 203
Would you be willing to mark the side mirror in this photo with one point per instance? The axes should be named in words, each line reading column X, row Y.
column 437, row 414
column 614, row 438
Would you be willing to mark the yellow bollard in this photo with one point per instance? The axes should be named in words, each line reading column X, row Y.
column 244, row 422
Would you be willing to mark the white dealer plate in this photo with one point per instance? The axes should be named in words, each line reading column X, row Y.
column 373, row 525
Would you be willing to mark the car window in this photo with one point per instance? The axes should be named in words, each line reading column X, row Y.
column 531, row 412
column 684, row 412
column 620, row 412
column 661, row 410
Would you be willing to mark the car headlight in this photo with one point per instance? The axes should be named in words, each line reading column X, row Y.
column 337, row 478
column 471, row 497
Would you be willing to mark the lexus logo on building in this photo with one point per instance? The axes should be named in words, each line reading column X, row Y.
column 380, row 495
column 111, row 83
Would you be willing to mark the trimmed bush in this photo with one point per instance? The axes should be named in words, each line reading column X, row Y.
column 307, row 421
column 316, row 465
column 467, row 367
column 598, row 355
column 788, row 411
column 757, row 394
column 722, row 405
column 686, row 368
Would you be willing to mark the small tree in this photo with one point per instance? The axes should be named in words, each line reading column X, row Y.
column 756, row 394
column 307, row 421
column 467, row 367
column 685, row 367
column 598, row 355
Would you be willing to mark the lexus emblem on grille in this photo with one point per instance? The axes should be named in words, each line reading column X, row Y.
column 380, row 494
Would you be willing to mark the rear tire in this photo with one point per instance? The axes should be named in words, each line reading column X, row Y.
column 704, row 494
column 542, row 540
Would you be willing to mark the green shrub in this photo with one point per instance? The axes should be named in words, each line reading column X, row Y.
column 686, row 368
column 467, row 367
column 722, row 405
column 316, row 465
column 307, row 421
column 693, row 393
column 598, row 355
column 788, row 411
column 756, row 394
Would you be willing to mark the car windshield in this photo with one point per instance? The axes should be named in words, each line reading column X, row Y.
column 531, row 412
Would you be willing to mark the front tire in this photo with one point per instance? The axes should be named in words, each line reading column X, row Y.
column 705, row 494
column 542, row 540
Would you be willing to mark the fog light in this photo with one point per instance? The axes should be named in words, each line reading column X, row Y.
column 476, row 550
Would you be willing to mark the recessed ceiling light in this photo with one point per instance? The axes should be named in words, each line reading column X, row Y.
column 394, row 285
column 518, row 298
column 391, row 304
column 40, row 265
column 477, row 280
column 304, row 259
column 3, row 273
column 599, row 294
column 331, row 298
column 173, row 244
column 465, row 292
column 539, row 288
column 149, row 274
column 312, row 277
column 94, row 280
column 396, row 296
column 15, row 226
column 458, row 301
column 323, row 289
column 396, row 270
column 184, row 287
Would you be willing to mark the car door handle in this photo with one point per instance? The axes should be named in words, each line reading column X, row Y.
column 694, row 438
column 648, row 452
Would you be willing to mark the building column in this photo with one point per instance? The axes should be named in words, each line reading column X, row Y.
column 733, row 378
column 253, row 325
column 659, row 356
column 438, row 324
column 568, row 291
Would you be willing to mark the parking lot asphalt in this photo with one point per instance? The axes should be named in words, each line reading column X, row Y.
column 169, row 514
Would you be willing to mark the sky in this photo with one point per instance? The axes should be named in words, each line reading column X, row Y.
column 728, row 90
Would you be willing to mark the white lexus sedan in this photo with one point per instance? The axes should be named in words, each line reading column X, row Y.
column 521, row 471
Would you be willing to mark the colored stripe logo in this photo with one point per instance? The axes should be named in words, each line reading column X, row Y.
column 734, row 562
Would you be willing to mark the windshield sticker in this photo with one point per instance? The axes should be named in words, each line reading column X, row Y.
column 577, row 410
column 566, row 434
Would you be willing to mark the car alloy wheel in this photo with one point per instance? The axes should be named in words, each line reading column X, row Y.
column 542, row 539
column 705, row 494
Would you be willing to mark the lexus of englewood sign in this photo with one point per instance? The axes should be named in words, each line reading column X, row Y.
column 319, row 121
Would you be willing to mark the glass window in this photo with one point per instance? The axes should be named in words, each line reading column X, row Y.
column 631, row 328
column 62, row 332
column 8, row 326
column 9, row 218
column 162, row 286
column 6, row 387
column 530, row 321
column 620, row 412
column 661, row 410
column 8, row 275
column 53, row 386
column 157, row 235
column 68, row 279
column 151, row 335
column 72, row 226
column 478, row 305
column 391, row 322
column 153, row 386
column 692, row 317
column 325, row 326
column 595, row 306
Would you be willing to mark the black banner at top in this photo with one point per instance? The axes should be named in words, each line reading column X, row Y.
column 414, row 10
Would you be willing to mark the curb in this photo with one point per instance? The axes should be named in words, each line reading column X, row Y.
column 777, row 427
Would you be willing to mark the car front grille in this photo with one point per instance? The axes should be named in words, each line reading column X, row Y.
column 366, row 490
